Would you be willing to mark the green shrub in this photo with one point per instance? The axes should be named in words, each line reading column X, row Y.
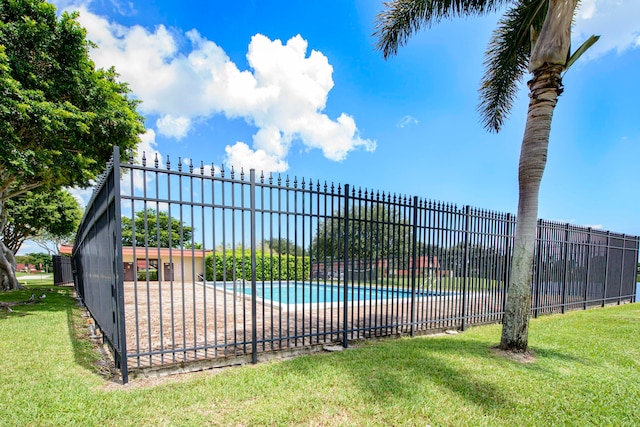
column 153, row 275
column 232, row 265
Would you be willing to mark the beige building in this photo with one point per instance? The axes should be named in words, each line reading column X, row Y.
column 171, row 263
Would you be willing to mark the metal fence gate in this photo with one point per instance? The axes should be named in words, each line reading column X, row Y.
column 62, row 270
column 195, row 264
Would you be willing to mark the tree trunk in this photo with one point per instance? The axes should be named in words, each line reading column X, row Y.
column 8, row 279
column 547, row 62
column 545, row 88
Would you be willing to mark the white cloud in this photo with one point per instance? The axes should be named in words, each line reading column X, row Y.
column 407, row 121
column 283, row 94
column 241, row 156
column 124, row 8
column 29, row 247
column 135, row 181
column 147, row 148
column 595, row 226
column 616, row 21
column 82, row 195
column 176, row 127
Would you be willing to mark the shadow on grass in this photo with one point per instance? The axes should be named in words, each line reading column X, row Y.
column 403, row 372
column 56, row 298
column 400, row 370
column 85, row 351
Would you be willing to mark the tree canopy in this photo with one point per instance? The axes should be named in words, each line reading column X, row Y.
column 282, row 246
column 375, row 231
column 157, row 230
column 60, row 117
column 50, row 215
column 37, row 259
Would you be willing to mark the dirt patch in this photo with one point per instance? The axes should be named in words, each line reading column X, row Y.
column 523, row 357
column 138, row 383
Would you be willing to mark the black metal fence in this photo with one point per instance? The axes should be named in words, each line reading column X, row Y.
column 62, row 271
column 214, row 267
column 97, row 263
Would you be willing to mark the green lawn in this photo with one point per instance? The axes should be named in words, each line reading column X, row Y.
column 587, row 372
column 36, row 279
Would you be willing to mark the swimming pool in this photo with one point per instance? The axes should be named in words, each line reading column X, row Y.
column 309, row 293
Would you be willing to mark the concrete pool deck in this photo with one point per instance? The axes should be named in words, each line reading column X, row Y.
column 184, row 322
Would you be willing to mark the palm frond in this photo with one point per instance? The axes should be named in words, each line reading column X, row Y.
column 506, row 60
column 402, row 18
column 582, row 49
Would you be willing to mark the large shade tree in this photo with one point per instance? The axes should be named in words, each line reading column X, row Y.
column 59, row 116
column 533, row 35
column 43, row 216
column 152, row 230
column 375, row 231
column 282, row 246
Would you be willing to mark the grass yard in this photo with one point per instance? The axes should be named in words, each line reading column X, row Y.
column 586, row 372
column 34, row 280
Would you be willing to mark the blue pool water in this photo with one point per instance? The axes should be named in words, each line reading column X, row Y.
column 305, row 293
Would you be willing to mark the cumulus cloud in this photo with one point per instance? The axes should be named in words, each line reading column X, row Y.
column 147, row 147
column 616, row 21
column 82, row 195
column 407, row 121
column 176, row 127
column 241, row 155
column 283, row 94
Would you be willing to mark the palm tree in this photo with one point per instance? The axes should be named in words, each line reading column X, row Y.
column 533, row 35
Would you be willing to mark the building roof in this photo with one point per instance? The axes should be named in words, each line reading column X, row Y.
column 141, row 251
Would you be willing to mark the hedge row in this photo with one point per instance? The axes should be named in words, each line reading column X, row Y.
column 237, row 266
column 153, row 275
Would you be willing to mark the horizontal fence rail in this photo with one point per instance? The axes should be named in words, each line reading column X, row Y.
column 182, row 263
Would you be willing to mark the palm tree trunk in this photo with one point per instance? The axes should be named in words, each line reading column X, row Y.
column 545, row 87
column 547, row 61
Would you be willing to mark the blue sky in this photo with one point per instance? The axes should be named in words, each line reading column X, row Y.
column 297, row 87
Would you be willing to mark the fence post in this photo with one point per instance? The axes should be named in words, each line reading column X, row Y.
column 624, row 250
column 636, row 248
column 414, row 251
column 536, row 298
column 588, row 268
column 606, row 270
column 507, row 261
column 345, row 286
column 118, row 267
column 566, row 266
column 465, row 267
column 254, row 310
